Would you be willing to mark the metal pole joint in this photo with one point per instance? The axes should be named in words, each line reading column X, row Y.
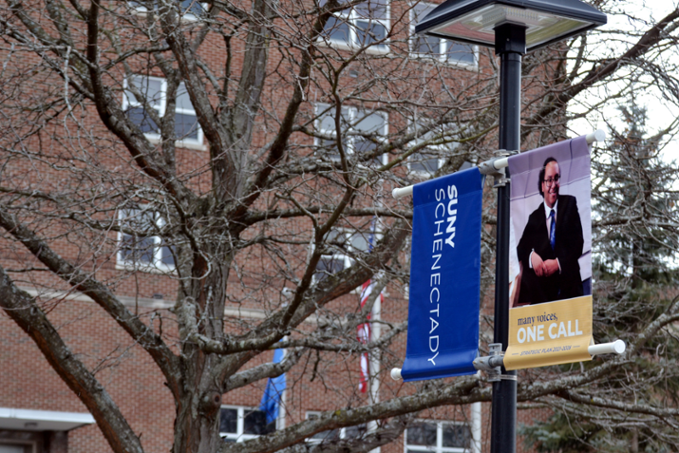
column 491, row 364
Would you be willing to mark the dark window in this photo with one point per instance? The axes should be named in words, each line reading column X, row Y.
column 456, row 436
column 228, row 421
column 422, row 434
column 438, row 437
column 364, row 24
column 255, row 423
column 362, row 131
column 139, row 244
column 153, row 90
column 238, row 424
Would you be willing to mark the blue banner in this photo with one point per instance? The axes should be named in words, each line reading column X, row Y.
column 271, row 399
column 445, row 275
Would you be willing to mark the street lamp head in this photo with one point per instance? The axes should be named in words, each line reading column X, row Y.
column 475, row 21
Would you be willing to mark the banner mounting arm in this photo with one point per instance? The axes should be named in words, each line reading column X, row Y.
column 493, row 362
column 492, row 166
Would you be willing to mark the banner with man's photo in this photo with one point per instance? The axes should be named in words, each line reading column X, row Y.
column 550, row 256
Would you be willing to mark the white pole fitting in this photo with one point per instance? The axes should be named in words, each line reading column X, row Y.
column 598, row 135
column 492, row 166
column 400, row 192
column 616, row 347
column 396, row 374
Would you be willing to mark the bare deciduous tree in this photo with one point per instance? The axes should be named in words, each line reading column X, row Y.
column 231, row 150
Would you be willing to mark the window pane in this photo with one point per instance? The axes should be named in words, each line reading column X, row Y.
column 354, row 432
column 363, row 146
column 360, row 242
column 424, row 44
column 183, row 99
column 139, row 117
column 368, row 32
column 193, row 6
column 186, row 126
column 456, row 436
column 326, row 120
column 228, row 420
column 326, row 125
column 422, row 434
column 166, row 256
column 372, row 9
column 423, row 164
column 421, row 10
column 255, row 423
column 331, row 148
column 328, row 265
column 372, row 123
column 149, row 89
column 138, row 247
column 427, row 45
column 460, row 53
column 337, row 29
column 337, row 238
column 139, row 250
column 143, row 221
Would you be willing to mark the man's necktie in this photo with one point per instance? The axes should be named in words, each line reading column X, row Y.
column 552, row 227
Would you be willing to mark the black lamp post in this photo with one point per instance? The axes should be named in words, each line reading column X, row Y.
column 512, row 27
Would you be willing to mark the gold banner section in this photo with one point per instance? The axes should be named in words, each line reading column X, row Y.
column 549, row 334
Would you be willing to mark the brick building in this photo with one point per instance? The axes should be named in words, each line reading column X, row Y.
column 179, row 176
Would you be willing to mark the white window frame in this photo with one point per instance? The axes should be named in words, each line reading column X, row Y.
column 131, row 101
column 354, row 116
column 438, row 448
column 239, row 435
column 141, row 9
column 442, row 54
column 157, row 260
column 26, row 445
column 347, row 260
column 352, row 17
column 342, row 431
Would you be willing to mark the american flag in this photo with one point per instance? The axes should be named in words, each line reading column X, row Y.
column 363, row 331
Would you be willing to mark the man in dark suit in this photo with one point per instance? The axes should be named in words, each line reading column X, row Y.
column 551, row 244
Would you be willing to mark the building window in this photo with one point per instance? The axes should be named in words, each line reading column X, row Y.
column 191, row 9
column 362, row 131
column 345, row 244
column 365, row 24
column 16, row 448
column 153, row 90
column 138, row 244
column 444, row 50
column 430, row 158
column 238, row 424
column 333, row 435
column 437, row 437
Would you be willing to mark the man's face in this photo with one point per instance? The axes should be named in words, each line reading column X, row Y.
column 550, row 185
